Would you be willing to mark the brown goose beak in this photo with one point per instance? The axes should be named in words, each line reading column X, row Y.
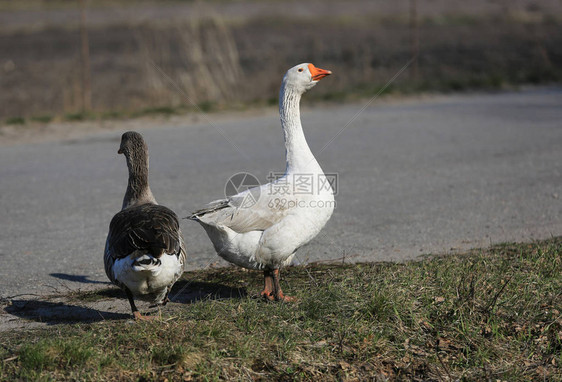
column 317, row 73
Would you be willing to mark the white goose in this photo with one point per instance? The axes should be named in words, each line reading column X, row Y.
column 144, row 251
column 263, row 227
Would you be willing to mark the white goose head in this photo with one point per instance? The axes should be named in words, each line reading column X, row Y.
column 303, row 77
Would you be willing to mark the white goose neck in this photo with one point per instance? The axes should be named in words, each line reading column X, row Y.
column 298, row 155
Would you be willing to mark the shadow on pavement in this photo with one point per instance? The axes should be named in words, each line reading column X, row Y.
column 54, row 313
column 76, row 278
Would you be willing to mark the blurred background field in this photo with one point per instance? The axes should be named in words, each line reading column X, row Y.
column 168, row 56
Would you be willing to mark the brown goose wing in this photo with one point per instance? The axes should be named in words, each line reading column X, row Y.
column 148, row 227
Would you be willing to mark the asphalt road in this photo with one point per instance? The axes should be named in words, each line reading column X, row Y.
column 415, row 177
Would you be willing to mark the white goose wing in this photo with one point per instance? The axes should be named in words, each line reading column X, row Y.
column 255, row 209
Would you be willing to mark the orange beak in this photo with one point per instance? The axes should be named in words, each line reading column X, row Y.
column 317, row 73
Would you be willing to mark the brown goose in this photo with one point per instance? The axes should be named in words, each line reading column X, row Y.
column 144, row 252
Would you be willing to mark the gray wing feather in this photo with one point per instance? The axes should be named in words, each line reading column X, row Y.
column 241, row 214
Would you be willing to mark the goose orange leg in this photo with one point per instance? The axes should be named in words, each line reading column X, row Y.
column 279, row 296
column 136, row 314
column 268, row 288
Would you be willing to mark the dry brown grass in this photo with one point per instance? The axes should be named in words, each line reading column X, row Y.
column 192, row 63
column 215, row 60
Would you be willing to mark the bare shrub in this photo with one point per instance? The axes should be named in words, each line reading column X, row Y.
column 199, row 57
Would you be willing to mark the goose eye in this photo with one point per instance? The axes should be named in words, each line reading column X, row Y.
column 301, row 69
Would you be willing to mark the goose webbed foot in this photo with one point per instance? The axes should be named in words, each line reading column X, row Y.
column 139, row 317
column 272, row 289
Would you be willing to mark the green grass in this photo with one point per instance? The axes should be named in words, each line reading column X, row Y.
column 15, row 121
column 42, row 118
column 490, row 314
column 159, row 110
column 79, row 116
